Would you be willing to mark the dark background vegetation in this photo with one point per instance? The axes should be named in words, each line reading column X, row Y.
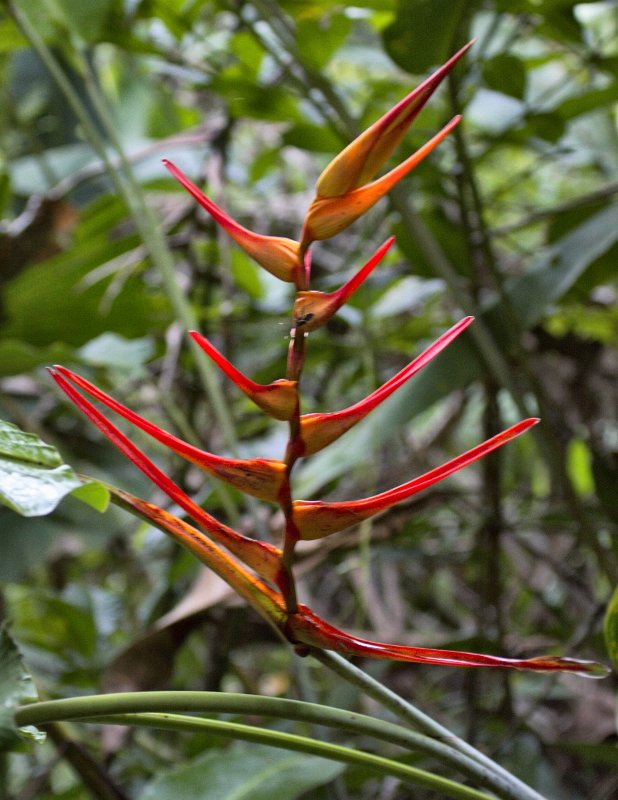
column 513, row 219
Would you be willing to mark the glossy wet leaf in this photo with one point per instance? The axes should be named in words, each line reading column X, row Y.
column 16, row 687
column 34, row 479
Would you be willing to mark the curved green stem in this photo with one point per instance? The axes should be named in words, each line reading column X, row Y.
column 300, row 744
column 511, row 787
column 440, row 743
column 154, row 709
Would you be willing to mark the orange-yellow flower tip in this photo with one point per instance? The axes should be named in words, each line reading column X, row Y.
column 328, row 216
column 359, row 162
column 276, row 254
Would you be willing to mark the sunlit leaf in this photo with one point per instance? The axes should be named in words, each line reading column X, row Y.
column 34, row 479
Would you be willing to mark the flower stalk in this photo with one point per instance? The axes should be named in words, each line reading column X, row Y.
column 260, row 572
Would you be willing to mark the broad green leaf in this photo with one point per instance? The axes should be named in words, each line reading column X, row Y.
column 58, row 301
column 422, row 34
column 610, row 628
column 16, row 687
column 60, row 627
column 33, row 478
column 247, row 772
column 26, row 447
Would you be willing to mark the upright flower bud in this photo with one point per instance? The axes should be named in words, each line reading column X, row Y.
column 362, row 159
column 328, row 216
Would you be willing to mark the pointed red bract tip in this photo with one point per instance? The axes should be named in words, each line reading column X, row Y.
column 319, row 430
column 260, row 477
column 260, row 556
column 278, row 399
column 315, row 519
column 278, row 255
column 307, row 628
column 313, row 309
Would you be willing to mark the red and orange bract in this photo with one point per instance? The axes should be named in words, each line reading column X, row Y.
column 260, row 572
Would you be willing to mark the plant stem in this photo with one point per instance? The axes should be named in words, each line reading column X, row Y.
column 437, row 741
column 511, row 787
column 300, row 744
column 156, row 708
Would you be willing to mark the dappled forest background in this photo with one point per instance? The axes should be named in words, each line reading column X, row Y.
column 513, row 219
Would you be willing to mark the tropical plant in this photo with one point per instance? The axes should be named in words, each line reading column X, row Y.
column 259, row 562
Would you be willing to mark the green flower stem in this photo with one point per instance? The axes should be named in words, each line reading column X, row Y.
column 438, row 745
column 511, row 787
column 155, row 709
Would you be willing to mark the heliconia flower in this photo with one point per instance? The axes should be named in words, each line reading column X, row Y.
column 361, row 159
column 306, row 629
column 315, row 519
column 264, row 558
column 278, row 255
column 328, row 216
column 265, row 600
column 319, row 430
column 278, row 399
column 260, row 477
column 312, row 309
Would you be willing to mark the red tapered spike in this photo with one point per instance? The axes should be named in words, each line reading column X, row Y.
column 361, row 159
column 328, row 216
column 260, row 556
column 279, row 256
column 315, row 519
column 266, row 601
column 313, row 309
column 278, row 399
column 259, row 477
column 306, row 628
column 319, row 430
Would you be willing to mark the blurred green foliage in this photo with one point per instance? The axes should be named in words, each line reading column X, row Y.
column 513, row 219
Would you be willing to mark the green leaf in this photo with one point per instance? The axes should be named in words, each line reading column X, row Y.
column 33, row 478
column 112, row 350
column 26, row 447
column 423, row 32
column 610, row 628
column 319, row 39
column 16, row 687
column 17, row 357
column 505, row 73
column 248, row 772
